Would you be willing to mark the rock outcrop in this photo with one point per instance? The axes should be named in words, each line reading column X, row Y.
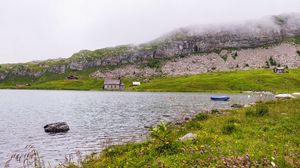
column 56, row 127
column 209, row 46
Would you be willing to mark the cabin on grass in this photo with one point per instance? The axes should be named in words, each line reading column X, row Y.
column 279, row 70
column 113, row 84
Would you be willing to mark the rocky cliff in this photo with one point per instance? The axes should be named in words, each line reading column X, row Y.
column 202, row 44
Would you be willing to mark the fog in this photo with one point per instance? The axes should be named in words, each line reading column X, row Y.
column 42, row 29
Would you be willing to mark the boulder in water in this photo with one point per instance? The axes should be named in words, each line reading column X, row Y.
column 57, row 127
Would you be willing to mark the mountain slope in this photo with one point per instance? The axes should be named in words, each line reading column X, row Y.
column 194, row 40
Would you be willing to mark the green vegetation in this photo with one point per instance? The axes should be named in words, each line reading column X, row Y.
column 55, row 81
column 87, row 55
column 231, row 81
column 298, row 52
column 297, row 39
column 268, row 138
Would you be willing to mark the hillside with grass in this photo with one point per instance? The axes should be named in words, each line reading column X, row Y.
column 230, row 81
column 264, row 135
column 210, row 48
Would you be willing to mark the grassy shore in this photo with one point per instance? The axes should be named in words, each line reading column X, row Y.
column 265, row 135
column 230, row 81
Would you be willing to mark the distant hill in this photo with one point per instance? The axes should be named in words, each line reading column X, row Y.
column 214, row 42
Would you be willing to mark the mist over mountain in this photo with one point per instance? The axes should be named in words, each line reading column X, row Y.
column 181, row 42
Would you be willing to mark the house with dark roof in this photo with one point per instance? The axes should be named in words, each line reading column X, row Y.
column 113, row 84
column 279, row 70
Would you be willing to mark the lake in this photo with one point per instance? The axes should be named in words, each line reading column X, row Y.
column 96, row 119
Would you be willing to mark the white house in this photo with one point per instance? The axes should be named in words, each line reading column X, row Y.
column 136, row 83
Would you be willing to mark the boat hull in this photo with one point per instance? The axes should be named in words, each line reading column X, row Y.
column 220, row 98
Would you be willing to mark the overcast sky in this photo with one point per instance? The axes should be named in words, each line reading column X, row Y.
column 41, row 29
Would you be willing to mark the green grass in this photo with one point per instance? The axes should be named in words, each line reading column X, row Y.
column 233, row 138
column 232, row 81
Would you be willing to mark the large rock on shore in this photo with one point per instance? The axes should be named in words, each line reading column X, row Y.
column 57, row 127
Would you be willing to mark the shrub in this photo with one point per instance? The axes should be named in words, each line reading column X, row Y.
column 262, row 110
column 154, row 63
column 214, row 111
column 235, row 55
column 267, row 64
column 298, row 52
column 159, row 132
column 228, row 129
column 193, row 125
column 164, row 139
column 249, row 112
column 201, row 117
column 233, row 120
column 272, row 61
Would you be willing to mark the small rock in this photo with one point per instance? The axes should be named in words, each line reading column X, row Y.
column 57, row 127
column 236, row 106
column 247, row 105
column 187, row 118
column 147, row 126
column 189, row 136
column 296, row 94
column 284, row 96
column 166, row 115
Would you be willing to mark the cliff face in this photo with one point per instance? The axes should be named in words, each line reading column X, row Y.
column 180, row 43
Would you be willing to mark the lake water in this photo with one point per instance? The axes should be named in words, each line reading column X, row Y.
column 96, row 119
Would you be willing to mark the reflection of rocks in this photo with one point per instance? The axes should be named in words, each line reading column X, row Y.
column 57, row 127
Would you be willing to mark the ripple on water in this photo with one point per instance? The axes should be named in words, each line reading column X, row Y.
column 96, row 119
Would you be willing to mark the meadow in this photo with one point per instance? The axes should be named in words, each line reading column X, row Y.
column 264, row 135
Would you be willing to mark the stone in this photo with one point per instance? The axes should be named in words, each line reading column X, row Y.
column 284, row 96
column 296, row 94
column 236, row 106
column 189, row 136
column 57, row 127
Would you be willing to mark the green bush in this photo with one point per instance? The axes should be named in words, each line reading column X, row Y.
column 233, row 120
column 272, row 61
column 229, row 129
column 201, row 117
column 214, row 111
column 250, row 112
column 154, row 63
column 259, row 111
column 193, row 125
column 262, row 110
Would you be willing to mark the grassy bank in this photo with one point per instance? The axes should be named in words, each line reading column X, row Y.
column 231, row 81
column 265, row 135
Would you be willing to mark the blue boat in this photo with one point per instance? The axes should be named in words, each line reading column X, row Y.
column 220, row 98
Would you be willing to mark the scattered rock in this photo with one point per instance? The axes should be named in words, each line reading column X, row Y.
column 284, row 96
column 147, row 126
column 166, row 115
column 189, row 136
column 187, row 118
column 57, row 127
column 236, row 106
column 296, row 94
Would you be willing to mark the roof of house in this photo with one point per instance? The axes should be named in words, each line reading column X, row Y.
column 112, row 82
